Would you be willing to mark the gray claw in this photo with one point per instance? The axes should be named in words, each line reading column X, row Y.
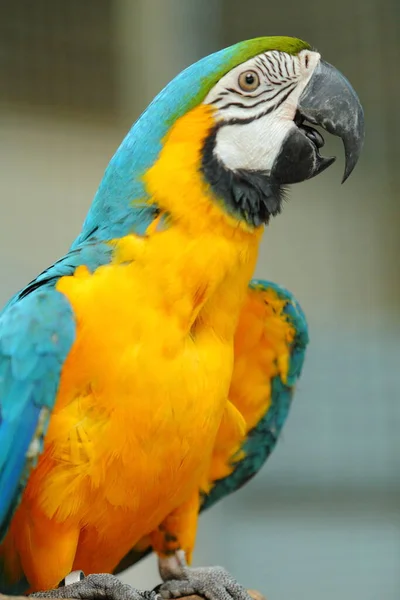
column 96, row 587
column 213, row 583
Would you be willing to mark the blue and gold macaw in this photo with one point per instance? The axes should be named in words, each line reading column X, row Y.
column 144, row 375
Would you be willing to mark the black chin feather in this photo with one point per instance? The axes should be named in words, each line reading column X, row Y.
column 250, row 196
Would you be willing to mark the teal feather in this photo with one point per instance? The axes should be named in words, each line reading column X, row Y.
column 36, row 334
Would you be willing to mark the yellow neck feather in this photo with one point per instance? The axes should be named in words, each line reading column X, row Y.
column 203, row 260
column 176, row 184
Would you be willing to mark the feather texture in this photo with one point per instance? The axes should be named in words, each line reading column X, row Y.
column 283, row 340
column 270, row 345
column 35, row 337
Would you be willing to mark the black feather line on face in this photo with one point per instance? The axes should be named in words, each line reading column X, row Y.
column 250, row 196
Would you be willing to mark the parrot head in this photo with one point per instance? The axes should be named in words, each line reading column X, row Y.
column 263, row 137
column 240, row 121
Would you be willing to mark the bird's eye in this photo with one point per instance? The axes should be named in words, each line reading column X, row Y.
column 249, row 81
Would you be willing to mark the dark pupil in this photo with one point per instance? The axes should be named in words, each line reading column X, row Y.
column 249, row 78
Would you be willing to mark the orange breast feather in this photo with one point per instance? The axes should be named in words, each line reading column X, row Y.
column 145, row 386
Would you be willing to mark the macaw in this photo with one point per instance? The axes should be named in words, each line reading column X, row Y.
column 145, row 375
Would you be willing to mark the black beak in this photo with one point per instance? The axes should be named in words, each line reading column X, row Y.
column 330, row 102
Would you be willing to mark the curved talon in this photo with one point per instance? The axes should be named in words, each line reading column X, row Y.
column 212, row 583
column 73, row 577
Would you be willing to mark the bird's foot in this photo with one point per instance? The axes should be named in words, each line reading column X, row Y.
column 101, row 586
column 213, row 583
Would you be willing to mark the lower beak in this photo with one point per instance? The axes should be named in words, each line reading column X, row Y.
column 330, row 102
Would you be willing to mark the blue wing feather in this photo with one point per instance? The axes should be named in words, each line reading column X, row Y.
column 36, row 334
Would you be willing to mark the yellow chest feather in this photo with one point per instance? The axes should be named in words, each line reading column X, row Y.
column 145, row 386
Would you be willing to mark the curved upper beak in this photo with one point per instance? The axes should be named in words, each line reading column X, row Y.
column 330, row 102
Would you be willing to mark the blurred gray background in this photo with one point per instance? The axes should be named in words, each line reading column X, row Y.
column 322, row 521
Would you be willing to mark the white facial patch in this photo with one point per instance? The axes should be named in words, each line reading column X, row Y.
column 256, row 122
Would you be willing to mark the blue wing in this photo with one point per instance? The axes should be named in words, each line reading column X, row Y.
column 36, row 334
